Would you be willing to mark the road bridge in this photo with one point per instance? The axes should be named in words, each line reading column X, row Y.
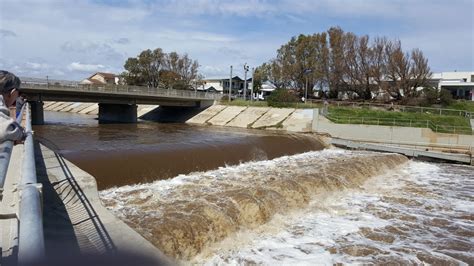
column 117, row 103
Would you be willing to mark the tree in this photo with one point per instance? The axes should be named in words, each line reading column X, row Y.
column 347, row 63
column 158, row 69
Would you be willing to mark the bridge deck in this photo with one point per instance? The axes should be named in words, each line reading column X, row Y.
column 114, row 94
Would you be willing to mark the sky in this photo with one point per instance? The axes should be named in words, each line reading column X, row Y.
column 70, row 40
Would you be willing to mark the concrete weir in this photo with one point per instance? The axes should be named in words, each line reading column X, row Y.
column 77, row 225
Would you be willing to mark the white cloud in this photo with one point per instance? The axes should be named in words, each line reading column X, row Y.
column 7, row 33
column 217, row 33
column 36, row 66
column 77, row 66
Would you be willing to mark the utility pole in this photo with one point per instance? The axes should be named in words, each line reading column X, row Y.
column 306, row 73
column 47, row 81
column 251, row 88
column 246, row 69
column 230, row 83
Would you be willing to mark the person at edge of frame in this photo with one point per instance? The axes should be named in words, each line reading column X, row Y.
column 10, row 130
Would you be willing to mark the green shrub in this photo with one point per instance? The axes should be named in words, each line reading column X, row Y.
column 282, row 98
column 445, row 97
column 430, row 95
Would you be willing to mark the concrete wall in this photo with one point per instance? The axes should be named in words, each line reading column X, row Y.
column 388, row 133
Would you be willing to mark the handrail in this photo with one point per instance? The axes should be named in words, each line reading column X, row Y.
column 31, row 236
column 400, row 122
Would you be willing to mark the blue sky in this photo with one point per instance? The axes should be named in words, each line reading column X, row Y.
column 73, row 39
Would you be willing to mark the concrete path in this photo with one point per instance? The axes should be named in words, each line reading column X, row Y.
column 226, row 115
column 207, row 114
column 9, row 208
column 405, row 150
column 248, row 117
column 273, row 118
column 76, row 223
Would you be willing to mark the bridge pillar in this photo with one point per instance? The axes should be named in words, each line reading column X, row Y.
column 37, row 112
column 117, row 113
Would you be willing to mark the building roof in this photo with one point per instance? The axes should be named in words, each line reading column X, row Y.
column 92, row 81
column 105, row 75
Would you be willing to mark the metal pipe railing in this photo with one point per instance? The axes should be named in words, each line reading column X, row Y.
column 31, row 236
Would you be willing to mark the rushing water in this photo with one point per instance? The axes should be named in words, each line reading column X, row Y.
column 318, row 207
column 312, row 208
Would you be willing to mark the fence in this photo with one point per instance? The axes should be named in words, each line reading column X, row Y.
column 400, row 123
column 402, row 108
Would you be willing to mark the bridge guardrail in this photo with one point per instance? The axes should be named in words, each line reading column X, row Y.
column 128, row 90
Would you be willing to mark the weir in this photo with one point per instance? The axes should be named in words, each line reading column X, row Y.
column 204, row 208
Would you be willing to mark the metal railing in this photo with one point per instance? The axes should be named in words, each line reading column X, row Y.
column 401, row 108
column 126, row 90
column 440, row 128
column 31, row 237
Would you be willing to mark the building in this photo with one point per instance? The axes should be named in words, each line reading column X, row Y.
column 460, row 84
column 221, row 85
column 101, row 78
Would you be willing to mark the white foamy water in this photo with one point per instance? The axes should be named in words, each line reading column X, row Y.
column 415, row 213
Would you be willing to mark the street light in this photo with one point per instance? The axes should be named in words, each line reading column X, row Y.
column 306, row 72
column 246, row 69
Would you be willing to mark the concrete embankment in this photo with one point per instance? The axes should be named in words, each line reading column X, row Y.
column 89, row 108
column 289, row 119
column 76, row 225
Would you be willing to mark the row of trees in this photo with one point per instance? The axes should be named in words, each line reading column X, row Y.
column 345, row 62
column 159, row 69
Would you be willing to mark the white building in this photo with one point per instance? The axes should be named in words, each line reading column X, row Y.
column 222, row 85
column 460, row 84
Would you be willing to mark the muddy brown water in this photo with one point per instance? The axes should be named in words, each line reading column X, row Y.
column 124, row 154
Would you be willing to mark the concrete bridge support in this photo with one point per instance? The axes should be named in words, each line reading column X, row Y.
column 117, row 113
column 37, row 113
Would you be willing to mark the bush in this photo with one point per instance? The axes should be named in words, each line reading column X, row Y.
column 445, row 97
column 430, row 95
column 282, row 98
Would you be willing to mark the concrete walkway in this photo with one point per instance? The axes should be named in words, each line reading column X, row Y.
column 75, row 222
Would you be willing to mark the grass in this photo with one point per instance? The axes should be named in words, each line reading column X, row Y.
column 439, row 123
column 240, row 102
column 462, row 105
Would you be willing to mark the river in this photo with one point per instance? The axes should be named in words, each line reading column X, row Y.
column 251, row 197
